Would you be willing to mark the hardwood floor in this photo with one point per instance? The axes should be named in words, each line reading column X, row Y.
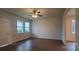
column 39, row 45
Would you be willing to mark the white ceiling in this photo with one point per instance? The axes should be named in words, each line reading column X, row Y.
column 46, row 12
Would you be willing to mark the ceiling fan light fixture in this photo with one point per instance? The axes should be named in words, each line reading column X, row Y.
column 34, row 16
column 35, row 13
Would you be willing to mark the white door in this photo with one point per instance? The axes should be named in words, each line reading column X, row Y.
column 4, row 32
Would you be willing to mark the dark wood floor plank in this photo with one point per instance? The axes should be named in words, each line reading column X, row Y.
column 38, row 45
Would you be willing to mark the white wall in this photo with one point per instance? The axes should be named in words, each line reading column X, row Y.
column 50, row 28
column 13, row 21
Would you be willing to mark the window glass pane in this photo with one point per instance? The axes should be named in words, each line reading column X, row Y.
column 26, row 29
column 19, row 30
column 19, row 26
column 27, row 26
column 73, row 26
column 19, row 23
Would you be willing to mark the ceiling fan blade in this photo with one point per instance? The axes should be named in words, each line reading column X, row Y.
column 40, row 15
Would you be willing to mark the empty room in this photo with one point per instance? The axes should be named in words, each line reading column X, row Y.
column 37, row 29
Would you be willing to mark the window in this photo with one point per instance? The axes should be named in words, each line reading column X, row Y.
column 27, row 26
column 19, row 26
column 73, row 26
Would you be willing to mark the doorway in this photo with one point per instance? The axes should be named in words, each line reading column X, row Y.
column 70, row 33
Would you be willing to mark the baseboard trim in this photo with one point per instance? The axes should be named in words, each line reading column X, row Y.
column 4, row 45
column 44, row 38
column 70, row 41
column 21, row 40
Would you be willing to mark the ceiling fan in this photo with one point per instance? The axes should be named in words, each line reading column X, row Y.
column 36, row 13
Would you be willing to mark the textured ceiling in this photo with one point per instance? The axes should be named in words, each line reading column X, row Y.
column 46, row 12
